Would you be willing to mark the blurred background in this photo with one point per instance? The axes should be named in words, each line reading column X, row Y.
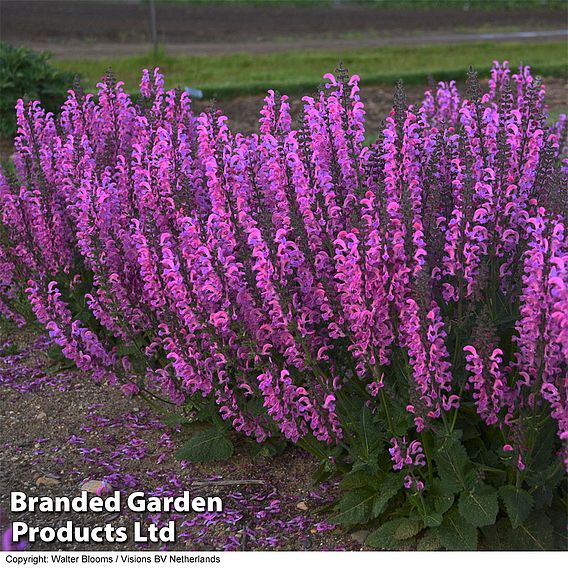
column 234, row 50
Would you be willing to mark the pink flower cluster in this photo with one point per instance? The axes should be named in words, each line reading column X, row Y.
column 408, row 456
column 269, row 272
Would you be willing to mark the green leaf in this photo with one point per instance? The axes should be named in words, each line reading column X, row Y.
column 173, row 420
column 497, row 536
column 407, row 528
column 269, row 448
column 390, row 486
column 432, row 519
column 367, row 439
column 365, row 475
column 354, row 507
column 55, row 353
column 323, row 472
column 544, row 447
column 208, row 445
column 430, row 541
column 456, row 533
column 518, row 503
column 536, row 533
column 365, row 431
column 548, row 478
column 543, row 497
column 442, row 496
column 479, row 507
column 559, row 518
column 451, row 459
column 383, row 537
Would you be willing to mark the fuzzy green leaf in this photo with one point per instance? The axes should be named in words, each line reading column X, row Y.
column 518, row 503
column 173, row 420
column 430, row 541
column 451, row 459
column 363, row 476
column 389, row 487
column 442, row 496
column 497, row 536
column 206, row 446
column 383, row 537
column 323, row 472
column 432, row 519
column 456, row 533
column 536, row 533
column 559, row 519
column 354, row 507
column 407, row 528
column 543, row 497
column 479, row 507
column 367, row 441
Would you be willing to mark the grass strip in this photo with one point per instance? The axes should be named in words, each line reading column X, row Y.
column 225, row 76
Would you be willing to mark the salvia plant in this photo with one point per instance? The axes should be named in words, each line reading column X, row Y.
column 398, row 309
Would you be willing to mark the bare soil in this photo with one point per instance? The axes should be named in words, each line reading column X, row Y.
column 94, row 29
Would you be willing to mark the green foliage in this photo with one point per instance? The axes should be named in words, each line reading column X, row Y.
column 442, row 497
column 429, row 542
column 383, row 537
column 479, row 507
column 388, row 489
column 467, row 501
column 206, row 446
column 368, row 497
column 498, row 536
column 455, row 533
column 518, row 504
column 407, row 528
column 174, row 420
column 25, row 73
column 533, row 534
column 452, row 461
column 268, row 449
column 355, row 507
column 432, row 519
column 10, row 349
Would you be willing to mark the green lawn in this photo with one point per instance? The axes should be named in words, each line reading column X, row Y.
column 230, row 75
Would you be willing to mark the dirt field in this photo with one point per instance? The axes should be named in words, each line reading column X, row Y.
column 127, row 21
column 93, row 29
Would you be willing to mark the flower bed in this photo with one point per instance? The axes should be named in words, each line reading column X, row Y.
column 398, row 309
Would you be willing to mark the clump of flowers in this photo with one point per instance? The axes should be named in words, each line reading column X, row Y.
column 408, row 457
column 299, row 283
